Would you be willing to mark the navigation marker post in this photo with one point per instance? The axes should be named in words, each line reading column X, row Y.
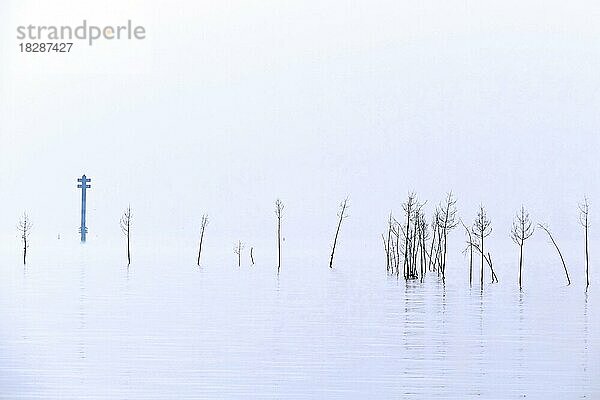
column 83, row 185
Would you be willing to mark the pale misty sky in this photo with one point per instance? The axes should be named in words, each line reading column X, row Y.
column 226, row 106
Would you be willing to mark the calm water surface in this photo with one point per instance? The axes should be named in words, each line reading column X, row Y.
column 87, row 328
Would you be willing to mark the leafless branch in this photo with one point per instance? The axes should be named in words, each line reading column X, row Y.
column 342, row 214
column 546, row 229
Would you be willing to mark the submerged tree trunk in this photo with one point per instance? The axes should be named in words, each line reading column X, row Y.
column 587, row 261
column 471, row 268
column 482, row 228
column 278, row 214
column 482, row 257
column 520, row 264
column 128, row 250
column 406, row 245
column 584, row 212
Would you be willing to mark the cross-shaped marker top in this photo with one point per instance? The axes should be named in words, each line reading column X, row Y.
column 84, row 181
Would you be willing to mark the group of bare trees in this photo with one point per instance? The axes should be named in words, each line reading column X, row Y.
column 403, row 240
column 411, row 244
column 523, row 229
column 279, row 207
column 417, row 247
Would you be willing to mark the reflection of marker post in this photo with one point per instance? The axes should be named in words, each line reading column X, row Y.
column 83, row 186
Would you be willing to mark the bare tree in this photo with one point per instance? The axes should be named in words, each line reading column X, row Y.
column 252, row 255
column 470, row 248
column 342, row 215
column 278, row 212
column 447, row 220
column 423, row 236
column 546, row 229
column 24, row 227
column 394, row 245
column 408, row 208
column 388, row 244
column 522, row 230
column 410, row 231
column 584, row 211
column 434, row 229
column 238, row 250
column 126, row 228
column 203, row 224
column 482, row 228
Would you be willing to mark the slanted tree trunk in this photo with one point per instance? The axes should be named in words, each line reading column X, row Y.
column 203, row 224
column 547, row 230
column 341, row 215
column 489, row 260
